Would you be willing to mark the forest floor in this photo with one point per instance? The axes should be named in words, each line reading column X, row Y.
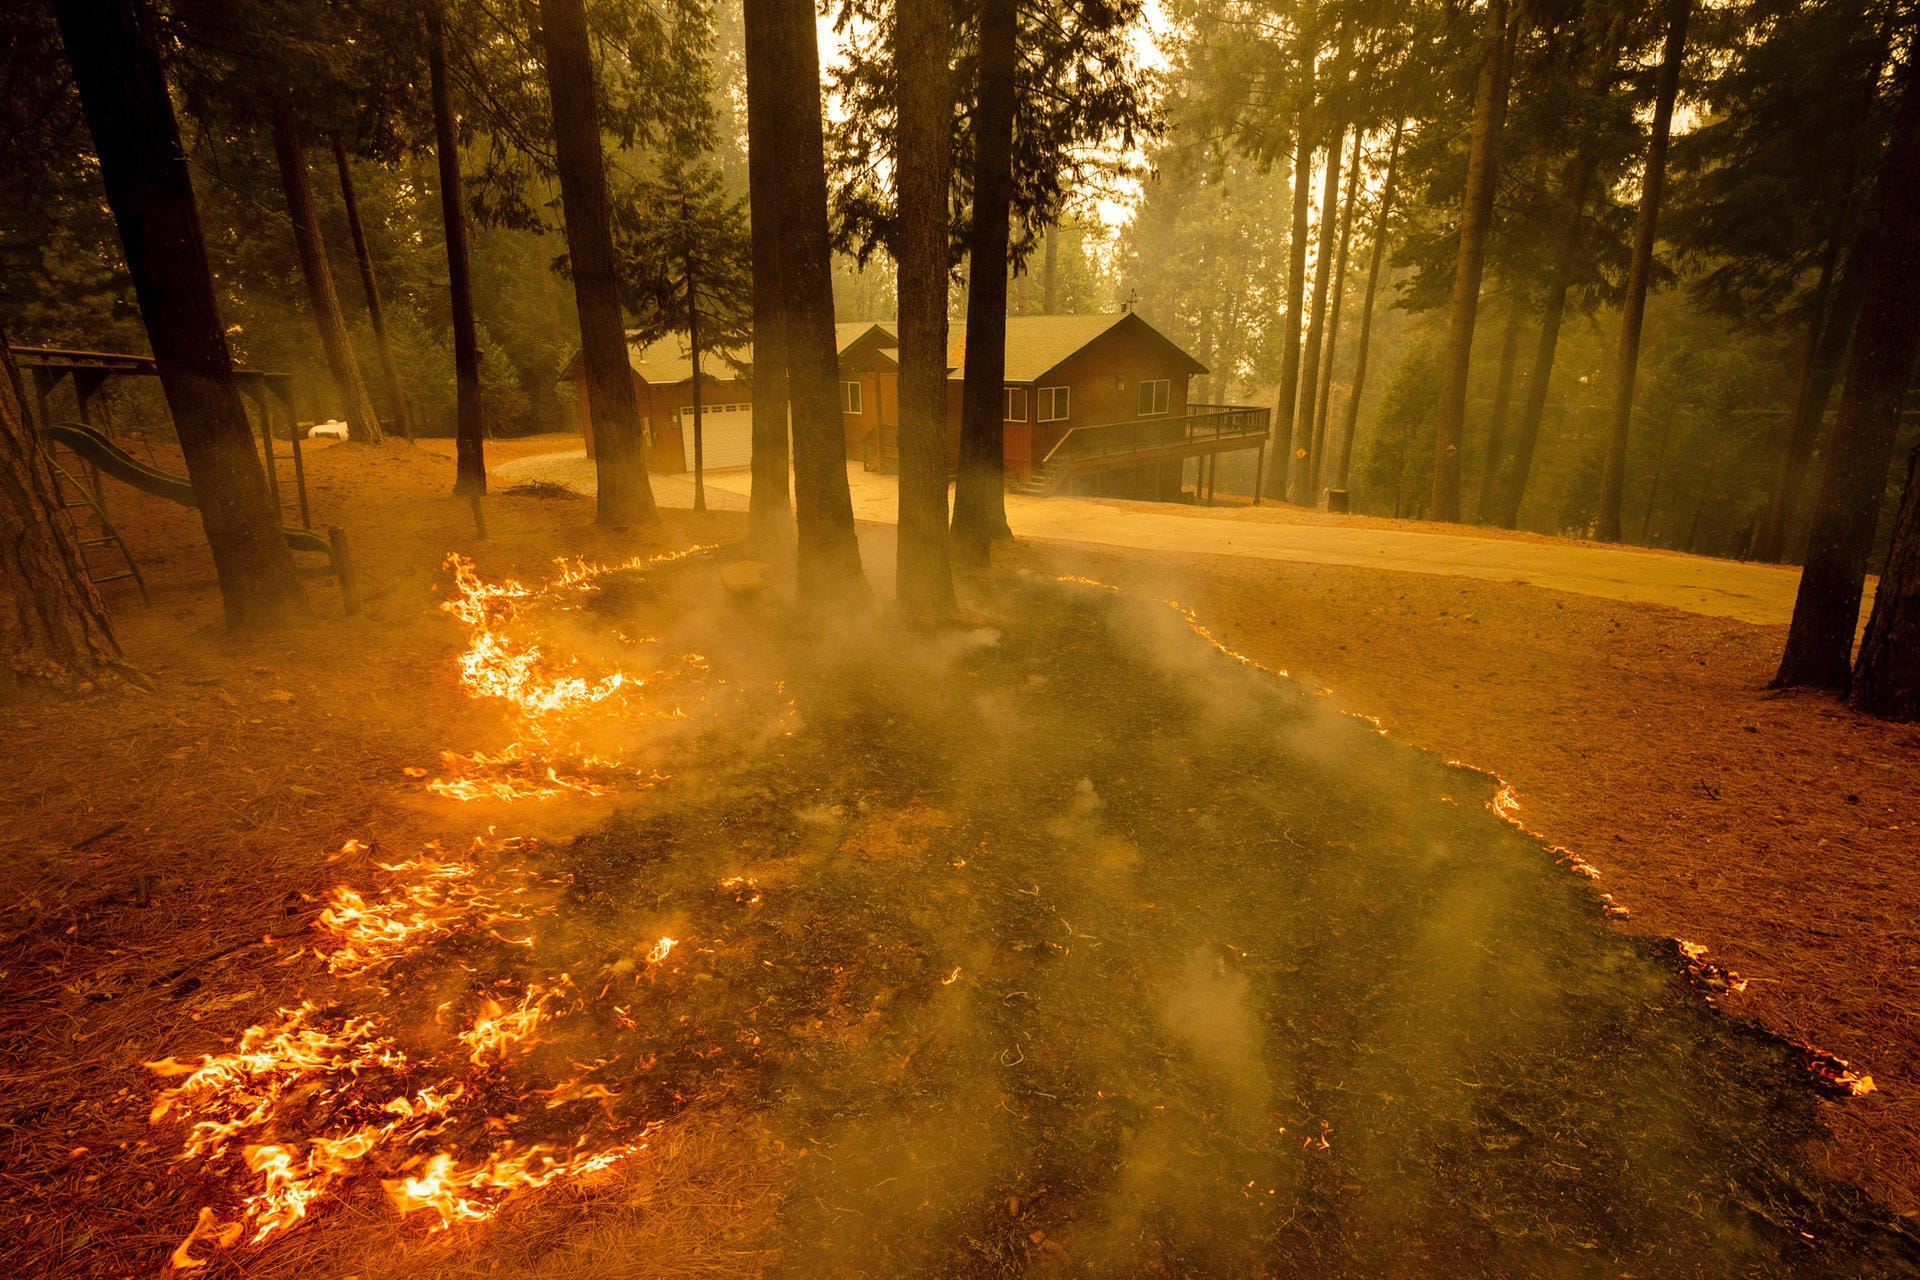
column 156, row 841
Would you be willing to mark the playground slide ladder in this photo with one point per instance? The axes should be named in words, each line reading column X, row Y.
column 65, row 485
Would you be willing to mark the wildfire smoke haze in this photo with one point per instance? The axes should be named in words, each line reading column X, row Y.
column 1077, row 942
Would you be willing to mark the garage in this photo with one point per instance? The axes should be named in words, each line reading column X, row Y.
column 726, row 435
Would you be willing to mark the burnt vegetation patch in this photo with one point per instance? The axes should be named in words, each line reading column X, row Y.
column 1081, row 947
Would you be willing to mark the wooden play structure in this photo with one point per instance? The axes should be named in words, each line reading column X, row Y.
column 81, row 454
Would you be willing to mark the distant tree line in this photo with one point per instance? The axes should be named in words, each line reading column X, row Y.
column 1600, row 322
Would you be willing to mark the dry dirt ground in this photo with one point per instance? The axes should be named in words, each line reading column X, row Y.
column 153, row 840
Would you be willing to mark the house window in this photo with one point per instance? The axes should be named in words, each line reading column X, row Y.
column 1054, row 403
column 1153, row 398
column 850, row 397
column 1016, row 404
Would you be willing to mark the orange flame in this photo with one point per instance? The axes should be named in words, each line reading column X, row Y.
column 314, row 1100
column 547, row 698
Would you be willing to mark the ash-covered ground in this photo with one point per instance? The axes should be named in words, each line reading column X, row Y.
column 1071, row 945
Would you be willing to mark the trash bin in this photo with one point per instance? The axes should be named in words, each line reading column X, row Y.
column 1337, row 501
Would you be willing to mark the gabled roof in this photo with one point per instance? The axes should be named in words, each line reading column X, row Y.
column 1037, row 345
column 669, row 360
column 848, row 332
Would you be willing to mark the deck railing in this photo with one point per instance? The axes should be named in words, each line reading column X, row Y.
column 1203, row 423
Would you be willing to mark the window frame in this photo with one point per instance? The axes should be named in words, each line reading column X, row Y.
column 1057, row 399
column 1011, row 416
column 852, row 405
column 1159, row 397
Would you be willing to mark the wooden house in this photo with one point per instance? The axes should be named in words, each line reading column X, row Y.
column 1094, row 404
column 663, row 383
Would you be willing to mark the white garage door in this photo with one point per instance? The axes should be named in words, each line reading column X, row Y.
column 726, row 435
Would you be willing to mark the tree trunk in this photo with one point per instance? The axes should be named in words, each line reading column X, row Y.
column 1497, row 419
column 1203, row 352
column 1476, row 221
column 1827, row 342
column 1827, row 609
column 1307, row 447
column 363, row 424
column 1321, row 440
column 1280, row 474
column 829, row 555
column 769, row 505
column 130, row 115
column 1886, row 679
column 1574, row 187
column 1836, row 305
column 980, row 498
column 693, row 354
column 923, row 582
column 613, row 408
column 1540, row 376
column 470, row 423
column 54, row 633
column 1321, row 414
column 376, row 311
column 1366, row 311
column 1653, row 485
column 1049, row 291
column 1633, row 308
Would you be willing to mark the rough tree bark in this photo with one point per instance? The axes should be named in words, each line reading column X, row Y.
column 1886, row 678
column 1476, row 220
column 1321, row 442
column 693, row 359
column 1827, row 342
column 1304, row 489
column 370, row 286
column 619, row 464
column 470, row 422
column 1490, row 471
column 769, row 504
column 1633, row 308
column 828, row 554
column 1366, row 310
column 55, row 637
column 980, row 497
column 130, row 115
column 923, row 582
column 1827, row 609
column 363, row 424
column 1836, row 305
column 1280, row 474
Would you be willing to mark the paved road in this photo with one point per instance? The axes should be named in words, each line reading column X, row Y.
column 1716, row 588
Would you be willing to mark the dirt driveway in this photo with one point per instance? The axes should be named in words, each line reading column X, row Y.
column 1716, row 588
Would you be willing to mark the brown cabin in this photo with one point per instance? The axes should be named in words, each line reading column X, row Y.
column 663, row 381
column 1095, row 402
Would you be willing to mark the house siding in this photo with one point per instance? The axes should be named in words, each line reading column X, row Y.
column 657, row 407
column 1103, row 378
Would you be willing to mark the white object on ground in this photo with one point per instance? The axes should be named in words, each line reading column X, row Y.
column 332, row 429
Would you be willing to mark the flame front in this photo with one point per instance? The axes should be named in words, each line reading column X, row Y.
column 451, row 1111
column 549, row 700
column 316, row 1098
